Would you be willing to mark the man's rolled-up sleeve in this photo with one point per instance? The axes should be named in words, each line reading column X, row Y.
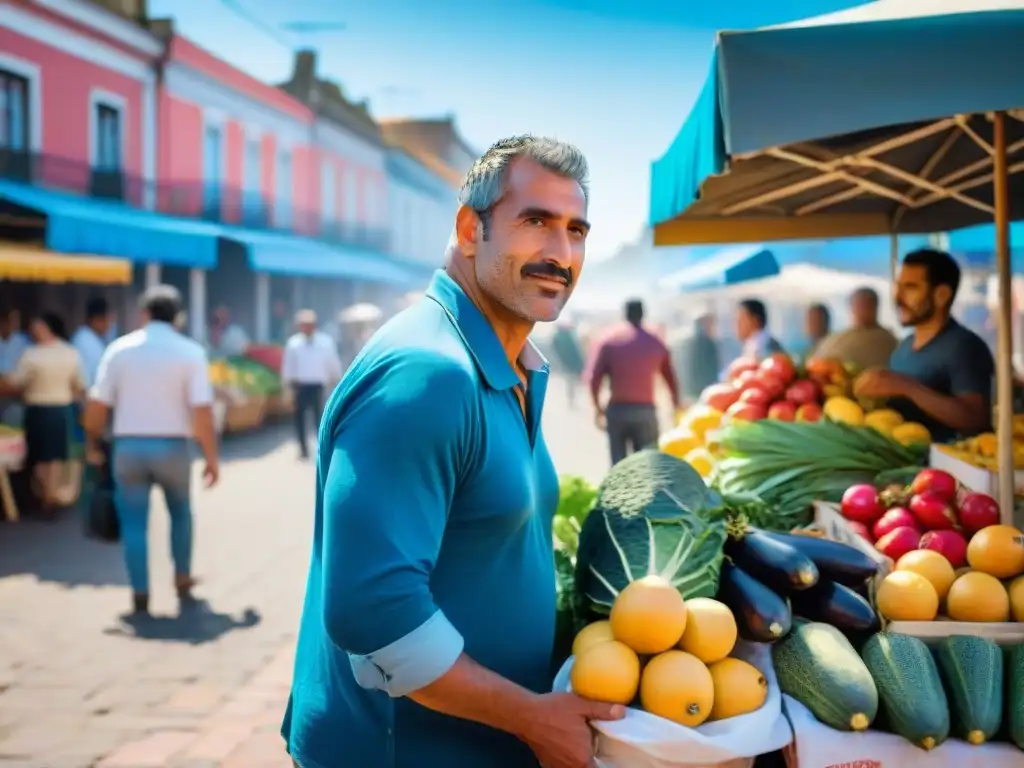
column 396, row 461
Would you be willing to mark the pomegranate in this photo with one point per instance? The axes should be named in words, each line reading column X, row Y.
column 803, row 392
column 897, row 517
column 950, row 544
column 861, row 504
column 861, row 530
column 739, row 366
column 781, row 366
column 895, row 544
column 942, row 484
column 770, row 383
column 720, row 396
column 746, row 412
column 783, row 410
column 977, row 511
column 746, row 380
column 932, row 511
column 755, row 396
column 809, row 412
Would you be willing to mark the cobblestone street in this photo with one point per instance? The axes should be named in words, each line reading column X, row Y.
column 81, row 688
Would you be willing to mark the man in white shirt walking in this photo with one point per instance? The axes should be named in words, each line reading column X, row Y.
column 156, row 381
column 311, row 363
column 91, row 339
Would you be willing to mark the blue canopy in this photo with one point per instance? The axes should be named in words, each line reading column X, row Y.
column 729, row 266
column 285, row 255
column 825, row 124
column 976, row 245
column 86, row 225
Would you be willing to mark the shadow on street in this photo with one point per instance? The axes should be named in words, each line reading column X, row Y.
column 246, row 446
column 196, row 623
column 58, row 551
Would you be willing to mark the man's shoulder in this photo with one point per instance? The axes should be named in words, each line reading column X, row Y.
column 418, row 344
column 967, row 341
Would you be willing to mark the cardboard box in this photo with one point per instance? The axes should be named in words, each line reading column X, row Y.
column 977, row 479
column 829, row 520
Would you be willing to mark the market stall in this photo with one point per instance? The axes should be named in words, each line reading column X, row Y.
column 27, row 267
column 243, row 389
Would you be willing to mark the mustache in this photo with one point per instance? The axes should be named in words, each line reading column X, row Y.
column 548, row 269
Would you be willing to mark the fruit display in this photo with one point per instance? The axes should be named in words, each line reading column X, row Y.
column 980, row 450
column 777, row 390
column 953, row 558
column 667, row 656
column 12, row 446
column 243, row 375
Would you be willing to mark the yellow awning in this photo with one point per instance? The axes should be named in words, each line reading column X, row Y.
column 31, row 264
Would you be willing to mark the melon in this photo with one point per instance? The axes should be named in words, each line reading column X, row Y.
column 710, row 632
column 608, row 672
column 997, row 550
column 977, row 596
column 677, row 686
column 907, row 596
column 932, row 565
column 649, row 615
column 740, row 688
column 1016, row 591
column 591, row 635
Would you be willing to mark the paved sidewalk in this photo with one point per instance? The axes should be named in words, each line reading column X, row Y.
column 81, row 689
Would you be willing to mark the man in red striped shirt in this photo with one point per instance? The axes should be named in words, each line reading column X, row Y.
column 630, row 357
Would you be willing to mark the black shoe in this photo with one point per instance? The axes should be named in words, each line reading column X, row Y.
column 140, row 603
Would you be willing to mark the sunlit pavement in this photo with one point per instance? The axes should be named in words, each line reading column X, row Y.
column 81, row 688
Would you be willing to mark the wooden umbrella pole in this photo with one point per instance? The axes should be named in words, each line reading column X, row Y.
column 1004, row 359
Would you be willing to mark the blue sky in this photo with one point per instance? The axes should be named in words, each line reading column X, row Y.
column 615, row 77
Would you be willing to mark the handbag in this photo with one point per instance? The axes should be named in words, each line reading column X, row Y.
column 101, row 521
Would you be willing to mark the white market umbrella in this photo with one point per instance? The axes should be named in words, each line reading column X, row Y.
column 361, row 313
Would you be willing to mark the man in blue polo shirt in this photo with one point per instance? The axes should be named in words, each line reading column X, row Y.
column 428, row 624
column 941, row 374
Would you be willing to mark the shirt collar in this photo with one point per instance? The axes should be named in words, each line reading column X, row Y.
column 479, row 336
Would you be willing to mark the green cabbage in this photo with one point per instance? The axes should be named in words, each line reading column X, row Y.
column 654, row 515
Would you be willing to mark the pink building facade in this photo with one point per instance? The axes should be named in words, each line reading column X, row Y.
column 96, row 105
column 80, row 98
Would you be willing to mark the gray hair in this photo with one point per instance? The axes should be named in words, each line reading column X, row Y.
column 483, row 186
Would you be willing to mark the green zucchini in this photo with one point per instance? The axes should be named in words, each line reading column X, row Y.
column 909, row 688
column 1014, row 674
column 817, row 666
column 972, row 669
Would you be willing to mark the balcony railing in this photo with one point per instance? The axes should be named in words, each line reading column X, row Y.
column 200, row 200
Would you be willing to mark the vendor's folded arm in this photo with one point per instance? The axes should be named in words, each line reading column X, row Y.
column 394, row 469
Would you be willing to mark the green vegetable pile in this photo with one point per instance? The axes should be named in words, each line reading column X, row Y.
column 787, row 466
column 254, row 378
column 653, row 515
column 962, row 686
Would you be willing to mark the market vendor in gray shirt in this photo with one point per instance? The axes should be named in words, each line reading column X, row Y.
column 941, row 374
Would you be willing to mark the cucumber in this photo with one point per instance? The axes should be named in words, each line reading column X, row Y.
column 817, row 666
column 909, row 688
column 972, row 669
column 1014, row 674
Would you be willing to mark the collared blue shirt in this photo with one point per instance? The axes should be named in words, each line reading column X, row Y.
column 433, row 536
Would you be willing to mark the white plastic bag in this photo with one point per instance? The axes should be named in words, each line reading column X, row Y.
column 641, row 740
column 818, row 746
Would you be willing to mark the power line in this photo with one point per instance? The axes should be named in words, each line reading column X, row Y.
column 268, row 29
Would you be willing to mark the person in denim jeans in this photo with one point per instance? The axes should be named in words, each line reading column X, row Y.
column 157, row 384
